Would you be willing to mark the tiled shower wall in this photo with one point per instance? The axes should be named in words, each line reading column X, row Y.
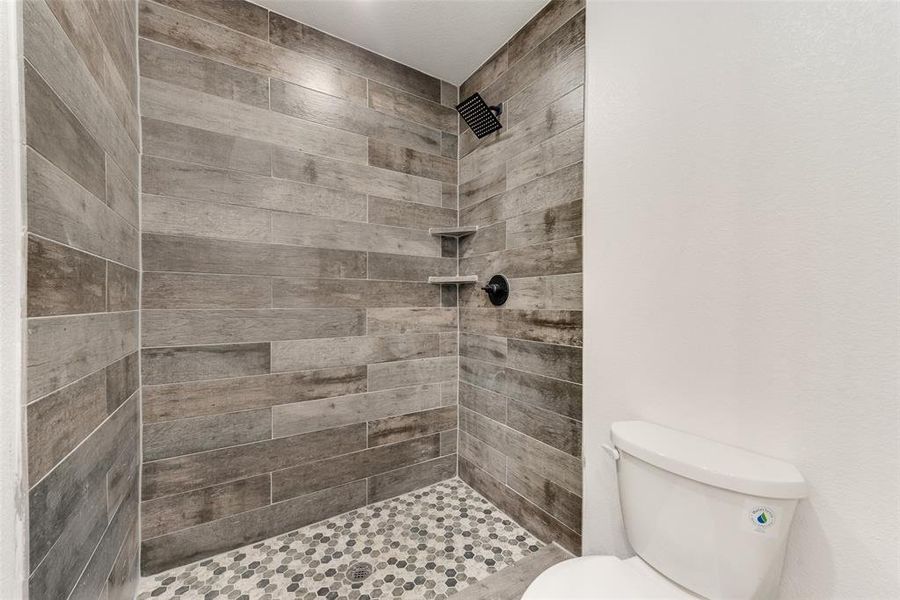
column 82, row 167
column 520, row 365
column 296, row 364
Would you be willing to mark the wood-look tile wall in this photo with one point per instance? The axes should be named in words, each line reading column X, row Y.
column 296, row 363
column 520, row 387
column 82, row 162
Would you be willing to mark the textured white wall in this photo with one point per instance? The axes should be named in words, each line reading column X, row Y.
column 13, row 502
column 742, row 259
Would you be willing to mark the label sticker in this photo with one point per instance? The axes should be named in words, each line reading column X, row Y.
column 762, row 518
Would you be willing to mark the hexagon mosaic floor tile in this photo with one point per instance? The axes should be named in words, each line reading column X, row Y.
column 428, row 544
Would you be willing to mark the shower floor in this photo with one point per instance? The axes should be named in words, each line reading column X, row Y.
column 429, row 544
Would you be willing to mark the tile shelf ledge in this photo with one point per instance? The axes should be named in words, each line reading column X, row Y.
column 458, row 231
column 454, row 279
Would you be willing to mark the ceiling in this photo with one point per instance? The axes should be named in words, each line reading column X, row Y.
column 448, row 39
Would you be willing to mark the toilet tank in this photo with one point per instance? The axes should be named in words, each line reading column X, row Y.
column 713, row 518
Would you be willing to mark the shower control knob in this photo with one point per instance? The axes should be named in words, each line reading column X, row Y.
column 497, row 289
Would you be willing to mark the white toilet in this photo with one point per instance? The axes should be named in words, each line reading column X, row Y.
column 705, row 519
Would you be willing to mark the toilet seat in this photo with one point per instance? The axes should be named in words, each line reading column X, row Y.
column 604, row 577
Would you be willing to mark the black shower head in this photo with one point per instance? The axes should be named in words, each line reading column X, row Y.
column 481, row 118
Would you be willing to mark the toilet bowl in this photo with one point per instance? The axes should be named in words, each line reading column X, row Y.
column 706, row 520
column 604, row 577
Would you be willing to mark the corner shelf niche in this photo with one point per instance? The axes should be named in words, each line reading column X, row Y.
column 449, row 279
column 458, row 231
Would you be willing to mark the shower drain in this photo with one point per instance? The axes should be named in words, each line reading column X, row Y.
column 359, row 571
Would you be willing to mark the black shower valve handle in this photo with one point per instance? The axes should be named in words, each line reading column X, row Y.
column 497, row 289
column 491, row 288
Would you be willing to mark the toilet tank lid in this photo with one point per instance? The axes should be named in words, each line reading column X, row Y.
column 709, row 462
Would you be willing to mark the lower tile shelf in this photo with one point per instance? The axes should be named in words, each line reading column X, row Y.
column 454, row 279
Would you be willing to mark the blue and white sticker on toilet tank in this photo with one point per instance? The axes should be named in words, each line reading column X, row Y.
column 762, row 518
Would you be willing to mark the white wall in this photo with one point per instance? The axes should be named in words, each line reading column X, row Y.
column 13, row 499
column 741, row 259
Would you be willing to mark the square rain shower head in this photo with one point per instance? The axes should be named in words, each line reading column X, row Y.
column 481, row 118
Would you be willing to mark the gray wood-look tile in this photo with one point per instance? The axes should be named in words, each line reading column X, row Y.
column 488, row 184
column 302, row 355
column 182, row 327
column 449, row 343
column 197, row 182
column 449, row 146
column 411, row 162
column 189, row 144
column 556, row 395
column 490, row 238
column 243, row 16
column 556, row 47
column 554, row 15
column 343, row 175
column 412, row 372
column 544, row 425
column 559, row 151
column 559, row 187
column 550, row 326
column 61, row 210
column 550, row 292
column 78, row 24
column 176, row 104
column 406, row 479
column 66, row 348
column 180, row 511
column 557, row 222
column 409, row 214
column 391, row 430
column 356, row 293
column 48, row 49
column 551, row 258
column 450, row 392
column 194, row 363
column 395, row 267
column 199, row 255
column 449, row 96
column 175, row 216
column 558, row 501
column 117, row 28
column 123, row 378
column 53, row 131
column 193, row 290
column 319, row 232
column 391, row 321
column 187, row 70
column 194, row 399
column 561, row 362
column 449, row 441
column 537, row 127
column 207, row 539
column 553, row 464
column 67, row 508
column 181, row 30
column 325, row 109
column 92, row 582
column 60, row 421
column 122, row 287
column 122, row 193
column 391, row 101
column 309, row 41
column 125, row 574
column 449, row 196
column 483, row 347
column 199, row 434
column 194, row 471
column 552, row 84
column 318, row 475
column 63, row 281
column 512, row 581
column 314, row 415
column 482, row 455
column 485, row 74
column 485, row 402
